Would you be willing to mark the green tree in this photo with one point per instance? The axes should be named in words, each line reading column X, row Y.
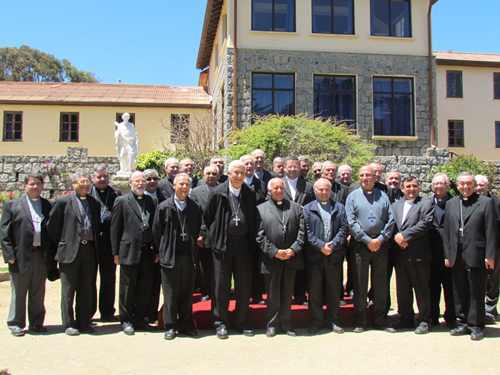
column 31, row 65
column 462, row 163
column 317, row 139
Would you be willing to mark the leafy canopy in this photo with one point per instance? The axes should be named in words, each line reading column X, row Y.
column 462, row 163
column 31, row 65
column 300, row 135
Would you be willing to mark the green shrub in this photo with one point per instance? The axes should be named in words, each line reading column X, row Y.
column 462, row 163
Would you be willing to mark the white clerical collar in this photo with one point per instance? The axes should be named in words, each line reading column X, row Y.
column 249, row 180
column 409, row 201
column 279, row 203
column 233, row 190
column 368, row 191
column 80, row 197
column 294, row 181
column 33, row 199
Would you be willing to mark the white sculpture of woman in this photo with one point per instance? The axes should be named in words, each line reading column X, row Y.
column 127, row 145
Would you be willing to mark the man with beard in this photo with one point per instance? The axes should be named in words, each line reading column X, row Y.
column 132, row 244
column 175, row 232
column 281, row 238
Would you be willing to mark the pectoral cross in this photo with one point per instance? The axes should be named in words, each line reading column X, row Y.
column 183, row 235
column 236, row 220
column 371, row 217
column 284, row 227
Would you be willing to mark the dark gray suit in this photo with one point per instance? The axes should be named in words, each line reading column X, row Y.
column 31, row 264
column 279, row 229
column 413, row 262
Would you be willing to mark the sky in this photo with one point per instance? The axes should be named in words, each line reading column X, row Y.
column 156, row 42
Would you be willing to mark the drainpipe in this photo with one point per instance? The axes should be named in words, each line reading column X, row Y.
column 431, row 78
column 235, row 79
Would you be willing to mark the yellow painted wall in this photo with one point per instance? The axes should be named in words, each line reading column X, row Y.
column 477, row 109
column 96, row 128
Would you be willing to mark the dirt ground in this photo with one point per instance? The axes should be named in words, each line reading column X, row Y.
column 109, row 351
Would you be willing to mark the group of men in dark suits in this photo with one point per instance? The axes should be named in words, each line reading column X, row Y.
column 274, row 234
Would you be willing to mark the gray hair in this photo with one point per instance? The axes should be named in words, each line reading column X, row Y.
column 183, row 161
column 182, row 174
column 481, row 177
column 77, row 175
column 132, row 175
column 235, row 163
column 210, row 166
column 247, row 156
column 345, row 166
column 302, row 158
column 170, row 160
column 216, row 157
column 321, row 180
column 464, row 174
column 151, row 171
column 327, row 162
column 257, row 150
column 101, row 167
column 278, row 160
column 291, row 158
column 273, row 179
column 315, row 164
column 439, row 174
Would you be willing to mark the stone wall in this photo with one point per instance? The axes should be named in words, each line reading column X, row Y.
column 57, row 171
column 364, row 66
column 223, row 105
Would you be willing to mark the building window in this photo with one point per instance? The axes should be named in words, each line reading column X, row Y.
column 455, row 133
column 496, row 85
column 335, row 97
column 333, row 16
column 119, row 117
column 390, row 18
column 69, row 127
column 454, row 84
column 393, row 108
column 497, row 134
column 179, row 128
column 273, row 93
column 13, row 126
column 273, row 15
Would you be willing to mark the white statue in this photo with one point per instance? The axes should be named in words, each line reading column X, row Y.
column 127, row 145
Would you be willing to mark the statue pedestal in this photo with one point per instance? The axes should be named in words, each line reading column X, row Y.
column 121, row 183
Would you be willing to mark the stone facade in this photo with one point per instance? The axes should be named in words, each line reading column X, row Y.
column 56, row 170
column 364, row 66
column 223, row 94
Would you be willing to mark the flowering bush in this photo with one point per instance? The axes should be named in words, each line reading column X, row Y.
column 64, row 192
column 8, row 196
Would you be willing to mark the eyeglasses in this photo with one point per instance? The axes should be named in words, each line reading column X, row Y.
column 465, row 183
column 211, row 173
column 366, row 175
column 411, row 186
column 149, row 179
column 35, row 184
column 440, row 184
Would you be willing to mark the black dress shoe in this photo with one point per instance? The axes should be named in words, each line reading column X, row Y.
column 271, row 332
column 109, row 318
column 337, row 329
column 358, row 330
column 460, row 331
column 170, row 334
column 291, row 333
column 422, row 329
column 143, row 326
column 86, row 329
column 313, row 330
column 128, row 329
column 490, row 319
column 205, row 298
column 385, row 329
column 477, row 335
column 189, row 332
column 248, row 332
column 404, row 325
column 38, row 328
column 342, row 303
column 70, row 331
column 16, row 331
column 221, row 332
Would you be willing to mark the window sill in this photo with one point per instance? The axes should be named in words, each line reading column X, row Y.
column 404, row 38
column 325, row 35
column 12, row 141
column 456, row 146
column 261, row 32
column 453, row 98
column 394, row 138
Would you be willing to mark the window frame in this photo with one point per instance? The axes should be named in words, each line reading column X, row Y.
column 452, row 85
column 13, row 124
column 455, row 137
column 273, row 18
column 496, row 85
column 351, row 124
column 69, row 131
column 393, row 93
column 497, row 134
column 332, row 13
column 178, row 133
column 389, row 2
column 272, row 90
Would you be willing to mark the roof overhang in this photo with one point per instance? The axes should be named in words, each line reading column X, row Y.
column 210, row 25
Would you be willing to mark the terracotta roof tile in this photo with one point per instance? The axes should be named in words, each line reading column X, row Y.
column 467, row 58
column 102, row 94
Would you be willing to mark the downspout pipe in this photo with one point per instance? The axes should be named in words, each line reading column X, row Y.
column 430, row 55
column 235, row 67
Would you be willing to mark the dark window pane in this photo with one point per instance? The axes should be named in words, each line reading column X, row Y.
column 262, row 81
column 383, row 114
column 497, row 134
column 496, row 85
column 345, row 107
column 380, row 17
column 284, row 15
column 343, row 17
column 262, row 102
column 323, row 104
column 454, row 84
column 403, row 115
column 282, row 81
column 402, row 85
column 382, row 84
column 455, row 133
column 262, row 18
column 283, row 102
column 322, row 16
column 344, row 83
column 324, row 82
column 390, row 18
column 273, row 15
column 400, row 18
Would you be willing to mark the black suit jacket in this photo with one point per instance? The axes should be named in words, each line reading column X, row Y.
column 415, row 228
column 480, row 231
column 200, row 195
column 266, row 177
column 260, row 189
column 16, row 233
column 437, row 233
column 65, row 225
column 339, row 193
column 127, row 227
column 165, row 188
column 272, row 238
column 304, row 193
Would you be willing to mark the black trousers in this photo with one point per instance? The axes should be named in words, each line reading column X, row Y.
column 135, row 288
column 279, row 298
column 469, row 286
column 154, row 300
column 178, row 284
column 412, row 276
column 441, row 276
column 204, row 272
column 375, row 264
column 235, row 262
column 107, row 276
column 77, row 278
column 492, row 290
column 323, row 279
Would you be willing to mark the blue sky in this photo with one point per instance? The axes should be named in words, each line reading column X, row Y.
column 156, row 42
